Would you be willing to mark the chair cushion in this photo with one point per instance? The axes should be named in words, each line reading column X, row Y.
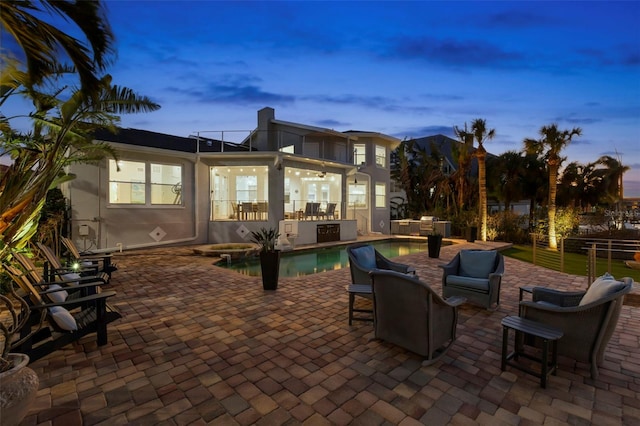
column 63, row 318
column 602, row 287
column 365, row 257
column 57, row 296
column 477, row 263
column 479, row 284
column 71, row 276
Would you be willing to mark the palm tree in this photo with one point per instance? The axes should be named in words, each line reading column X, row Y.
column 614, row 175
column 505, row 177
column 42, row 42
column 481, row 135
column 62, row 135
column 462, row 153
column 549, row 146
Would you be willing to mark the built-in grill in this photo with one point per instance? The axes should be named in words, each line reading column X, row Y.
column 427, row 224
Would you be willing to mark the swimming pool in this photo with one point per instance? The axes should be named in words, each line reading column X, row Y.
column 312, row 261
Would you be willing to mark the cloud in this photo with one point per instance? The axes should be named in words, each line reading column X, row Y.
column 459, row 53
column 332, row 124
column 518, row 19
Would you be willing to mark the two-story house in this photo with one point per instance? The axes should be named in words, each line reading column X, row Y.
column 312, row 183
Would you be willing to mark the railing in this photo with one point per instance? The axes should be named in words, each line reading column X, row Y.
column 321, row 146
column 223, row 210
column 594, row 249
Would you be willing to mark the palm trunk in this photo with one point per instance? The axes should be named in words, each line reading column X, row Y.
column 553, row 188
column 481, row 154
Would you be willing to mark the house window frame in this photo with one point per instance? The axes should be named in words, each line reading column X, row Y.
column 141, row 189
column 360, row 201
column 359, row 154
column 381, row 156
column 380, row 195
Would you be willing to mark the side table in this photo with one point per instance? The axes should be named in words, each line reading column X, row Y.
column 548, row 335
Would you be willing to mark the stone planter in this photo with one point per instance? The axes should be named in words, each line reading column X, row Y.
column 18, row 391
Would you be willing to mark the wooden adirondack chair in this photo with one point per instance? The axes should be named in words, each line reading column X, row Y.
column 102, row 261
column 54, row 268
column 57, row 319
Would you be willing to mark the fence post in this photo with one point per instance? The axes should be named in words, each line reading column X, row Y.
column 591, row 264
column 609, row 255
column 561, row 254
column 534, row 238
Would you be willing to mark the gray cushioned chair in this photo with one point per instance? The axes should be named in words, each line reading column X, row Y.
column 475, row 275
column 410, row 314
column 587, row 318
column 363, row 258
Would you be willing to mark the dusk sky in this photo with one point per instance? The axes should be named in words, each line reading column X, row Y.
column 407, row 69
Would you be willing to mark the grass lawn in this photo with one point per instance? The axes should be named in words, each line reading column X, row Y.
column 575, row 264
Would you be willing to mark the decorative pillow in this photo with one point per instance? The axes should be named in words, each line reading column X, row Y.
column 70, row 277
column 477, row 263
column 63, row 318
column 366, row 257
column 602, row 287
column 57, row 296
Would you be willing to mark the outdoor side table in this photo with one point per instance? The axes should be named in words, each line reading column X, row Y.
column 547, row 334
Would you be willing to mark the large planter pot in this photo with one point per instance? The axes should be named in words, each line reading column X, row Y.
column 434, row 242
column 19, row 386
column 270, row 266
column 472, row 233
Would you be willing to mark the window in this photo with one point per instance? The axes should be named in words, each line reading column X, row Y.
column 166, row 184
column 288, row 149
column 234, row 185
column 358, row 195
column 142, row 183
column 359, row 154
column 381, row 195
column 381, row 156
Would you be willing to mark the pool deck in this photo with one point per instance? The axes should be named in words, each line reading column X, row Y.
column 199, row 344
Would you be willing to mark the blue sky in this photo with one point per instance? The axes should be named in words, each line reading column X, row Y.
column 407, row 69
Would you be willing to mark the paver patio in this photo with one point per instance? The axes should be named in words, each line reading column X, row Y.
column 199, row 344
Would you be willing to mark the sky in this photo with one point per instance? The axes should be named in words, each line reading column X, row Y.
column 406, row 69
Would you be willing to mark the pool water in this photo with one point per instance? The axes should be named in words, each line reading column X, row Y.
column 313, row 261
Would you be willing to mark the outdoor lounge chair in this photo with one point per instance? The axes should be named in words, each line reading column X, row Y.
column 475, row 275
column 587, row 318
column 70, row 281
column 101, row 261
column 410, row 314
column 57, row 320
column 363, row 258
column 54, row 269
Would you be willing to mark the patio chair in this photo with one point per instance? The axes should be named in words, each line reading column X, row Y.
column 57, row 319
column 410, row 314
column 330, row 212
column 363, row 258
column 101, row 261
column 475, row 275
column 587, row 318
column 65, row 280
column 311, row 210
column 54, row 269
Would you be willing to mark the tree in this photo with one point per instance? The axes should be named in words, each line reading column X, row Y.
column 614, row 174
column 505, row 177
column 549, row 146
column 42, row 43
column 462, row 152
column 481, row 135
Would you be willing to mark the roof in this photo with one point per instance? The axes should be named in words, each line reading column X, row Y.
column 163, row 141
column 444, row 145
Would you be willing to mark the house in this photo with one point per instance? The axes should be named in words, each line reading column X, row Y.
column 314, row 184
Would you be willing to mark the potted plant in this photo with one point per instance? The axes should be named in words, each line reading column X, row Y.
column 19, row 382
column 434, row 242
column 269, row 256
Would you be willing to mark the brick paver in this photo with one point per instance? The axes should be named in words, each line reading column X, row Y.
column 198, row 344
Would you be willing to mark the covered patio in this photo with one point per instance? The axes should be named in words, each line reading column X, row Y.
column 199, row 344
